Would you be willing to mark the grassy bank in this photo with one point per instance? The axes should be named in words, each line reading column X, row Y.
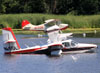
column 86, row 30
column 80, row 30
column 14, row 20
column 20, row 31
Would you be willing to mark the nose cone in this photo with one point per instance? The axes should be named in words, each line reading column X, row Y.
column 87, row 45
column 95, row 46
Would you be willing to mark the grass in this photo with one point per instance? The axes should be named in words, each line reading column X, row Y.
column 86, row 30
column 20, row 31
column 77, row 24
column 14, row 20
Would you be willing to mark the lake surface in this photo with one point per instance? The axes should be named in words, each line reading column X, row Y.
column 66, row 63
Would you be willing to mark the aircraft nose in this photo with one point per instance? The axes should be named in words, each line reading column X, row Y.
column 95, row 46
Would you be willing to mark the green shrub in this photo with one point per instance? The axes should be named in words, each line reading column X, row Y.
column 15, row 20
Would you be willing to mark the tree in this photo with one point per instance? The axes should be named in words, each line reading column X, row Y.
column 64, row 6
column 50, row 6
column 86, row 7
column 9, row 6
column 2, row 7
column 38, row 6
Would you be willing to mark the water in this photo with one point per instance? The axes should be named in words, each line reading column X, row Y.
column 67, row 63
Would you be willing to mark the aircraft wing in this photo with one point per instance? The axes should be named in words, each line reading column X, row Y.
column 52, row 22
column 65, row 34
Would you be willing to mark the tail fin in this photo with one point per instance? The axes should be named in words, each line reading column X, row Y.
column 26, row 25
column 10, row 42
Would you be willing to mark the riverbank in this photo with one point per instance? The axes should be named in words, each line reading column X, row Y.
column 80, row 30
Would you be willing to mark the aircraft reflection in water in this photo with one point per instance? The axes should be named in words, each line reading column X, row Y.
column 58, row 42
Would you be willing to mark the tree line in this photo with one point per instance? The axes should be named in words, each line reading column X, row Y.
column 76, row 7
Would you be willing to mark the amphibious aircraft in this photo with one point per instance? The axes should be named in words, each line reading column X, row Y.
column 69, row 45
column 26, row 25
column 55, row 46
column 11, row 45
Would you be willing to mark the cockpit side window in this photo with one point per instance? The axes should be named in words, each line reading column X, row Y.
column 66, row 44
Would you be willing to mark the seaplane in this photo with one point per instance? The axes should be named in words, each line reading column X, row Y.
column 11, row 45
column 26, row 25
column 69, row 45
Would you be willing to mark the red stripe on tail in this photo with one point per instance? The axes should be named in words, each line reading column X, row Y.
column 9, row 29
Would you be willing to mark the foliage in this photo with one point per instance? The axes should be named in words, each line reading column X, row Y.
column 79, row 7
column 86, row 7
column 15, row 20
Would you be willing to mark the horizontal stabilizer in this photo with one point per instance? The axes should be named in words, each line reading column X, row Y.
column 10, row 41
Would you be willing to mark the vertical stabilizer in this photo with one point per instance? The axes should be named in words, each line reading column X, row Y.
column 10, row 42
column 26, row 25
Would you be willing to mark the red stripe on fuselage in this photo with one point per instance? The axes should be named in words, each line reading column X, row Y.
column 52, row 30
column 23, row 51
column 80, row 47
column 56, row 45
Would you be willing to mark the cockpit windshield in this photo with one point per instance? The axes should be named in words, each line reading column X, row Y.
column 73, row 43
column 70, row 44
